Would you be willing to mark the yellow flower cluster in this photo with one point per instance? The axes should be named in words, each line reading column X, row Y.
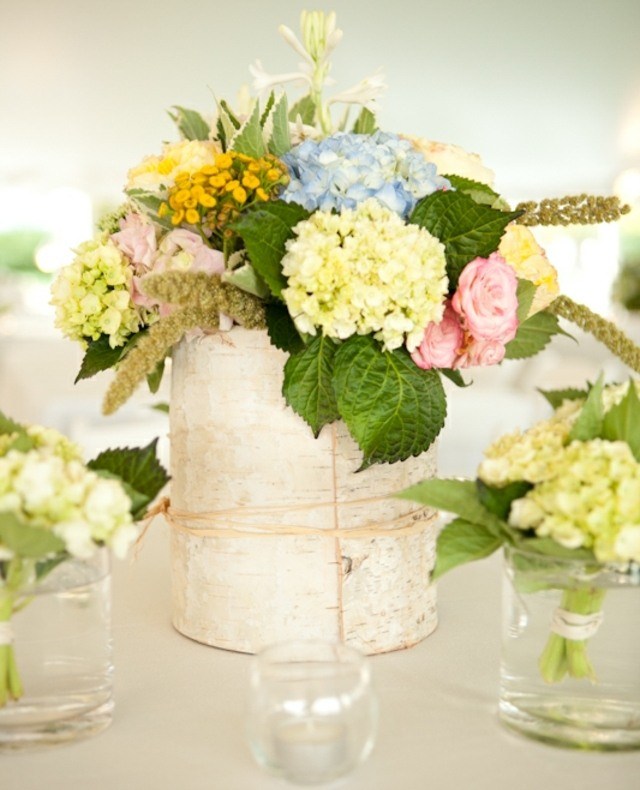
column 215, row 194
column 526, row 257
column 364, row 271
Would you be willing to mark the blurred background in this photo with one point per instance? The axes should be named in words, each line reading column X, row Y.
column 547, row 92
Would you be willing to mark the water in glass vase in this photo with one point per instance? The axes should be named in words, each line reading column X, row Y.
column 570, row 672
column 63, row 653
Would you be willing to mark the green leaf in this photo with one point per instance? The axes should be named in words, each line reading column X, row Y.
column 248, row 138
column 392, row 408
column 246, row 278
column 525, row 293
column 154, row 379
column 191, row 124
column 308, row 383
column 282, row 331
column 267, row 108
column 622, row 421
column 305, row 108
column 98, row 356
column 365, row 122
column 466, row 229
column 26, row 540
column 138, row 467
column 9, row 426
column 550, row 548
column 461, row 541
column 498, row 500
column 590, row 421
column 455, row 376
column 276, row 128
column 163, row 407
column 265, row 231
column 149, row 203
column 226, row 125
column 533, row 335
column 454, row 496
column 479, row 192
column 557, row 397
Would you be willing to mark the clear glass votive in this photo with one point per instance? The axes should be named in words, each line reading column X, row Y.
column 312, row 712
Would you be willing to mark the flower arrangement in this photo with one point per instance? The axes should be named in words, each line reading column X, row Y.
column 566, row 488
column 54, row 506
column 378, row 262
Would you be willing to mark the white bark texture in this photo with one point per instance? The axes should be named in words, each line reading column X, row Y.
column 236, row 446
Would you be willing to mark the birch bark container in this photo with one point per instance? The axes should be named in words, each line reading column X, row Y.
column 237, row 447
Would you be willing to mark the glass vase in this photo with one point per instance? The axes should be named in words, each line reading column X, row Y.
column 570, row 671
column 312, row 713
column 62, row 653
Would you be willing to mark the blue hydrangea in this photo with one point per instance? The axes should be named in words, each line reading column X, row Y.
column 346, row 169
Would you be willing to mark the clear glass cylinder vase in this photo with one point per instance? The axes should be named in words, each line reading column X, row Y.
column 62, row 651
column 570, row 670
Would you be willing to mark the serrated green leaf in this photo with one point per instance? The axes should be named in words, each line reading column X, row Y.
column 479, row 192
column 365, row 122
column 557, row 397
column 498, row 500
column 267, row 108
column 308, row 383
column 467, row 230
column 248, row 138
column 191, row 124
column 533, row 335
column 264, row 231
column 455, row 376
column 525, row 293
column 392, row 408
column 589, row 422
column 138, row 467
column 622, row 421
column 281, row 329
column 227, row 124
column 155, row 379
column 276, row 128
column 9, row 426
column 454, row 496
column 26, row 540
column 98, row 356
column 149, row 203
column 246, row 278
column 460, row 542
column 305, row 108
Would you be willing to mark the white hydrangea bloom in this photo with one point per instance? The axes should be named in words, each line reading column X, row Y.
column 364, row 271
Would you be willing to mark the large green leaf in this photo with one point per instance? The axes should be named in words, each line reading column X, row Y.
column 248, row 138
column 454, row 496
column 460, row 542
column 557, row 397
column 498, row 500
column 26, row 540
column 533, row 335
column 276, row 127
column 392, row 408
column 191, row 124
column 622, row 421
column 308, row 383
column 281, row 329
column 467, row 230
column 138, row 467
column 265, row 231
column 98, row 356
column 590, row 421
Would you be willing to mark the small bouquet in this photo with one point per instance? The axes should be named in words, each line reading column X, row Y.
column 567, row 488
column 54, row 506
column 378, row 262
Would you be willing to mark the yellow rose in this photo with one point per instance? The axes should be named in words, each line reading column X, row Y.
column 451, row 160
column 527, row 258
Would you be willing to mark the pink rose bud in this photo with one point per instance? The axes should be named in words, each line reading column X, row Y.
column 481, row 353
column 486, row 299
column 441, row 342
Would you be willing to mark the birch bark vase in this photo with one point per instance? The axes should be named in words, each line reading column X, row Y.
column 237, row 447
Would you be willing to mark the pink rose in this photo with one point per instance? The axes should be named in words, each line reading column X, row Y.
column 137, row 240
column 441, row 342
column 481, row 352
column 486, row 299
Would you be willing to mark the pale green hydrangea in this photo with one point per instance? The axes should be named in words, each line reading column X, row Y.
column 364, row 271
column 92, row 295
column 590, row 498
column 54, row 492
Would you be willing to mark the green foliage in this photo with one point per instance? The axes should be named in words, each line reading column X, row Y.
column 622, row 421
column 455, row 376
column 498, row 500
column 226, row 125
column 282, row 331
column 150, row 204
column 246, row 278
column 590, row 420
column 467, row 230
column 154, row 379
column 392, row 408
column 479, row 192
column 305, row 108
column 22, row 441
column 9, row 426
column 191, row 124
column 308, row 383
column 557, row 397
column 365, row 122
column 25, row 540
column 100, row 356
column 462, row 541
column 248, row 138
column 533, row 335
column 264, row 231
column 525, row 293
column 276, row 127
column 138, row 468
